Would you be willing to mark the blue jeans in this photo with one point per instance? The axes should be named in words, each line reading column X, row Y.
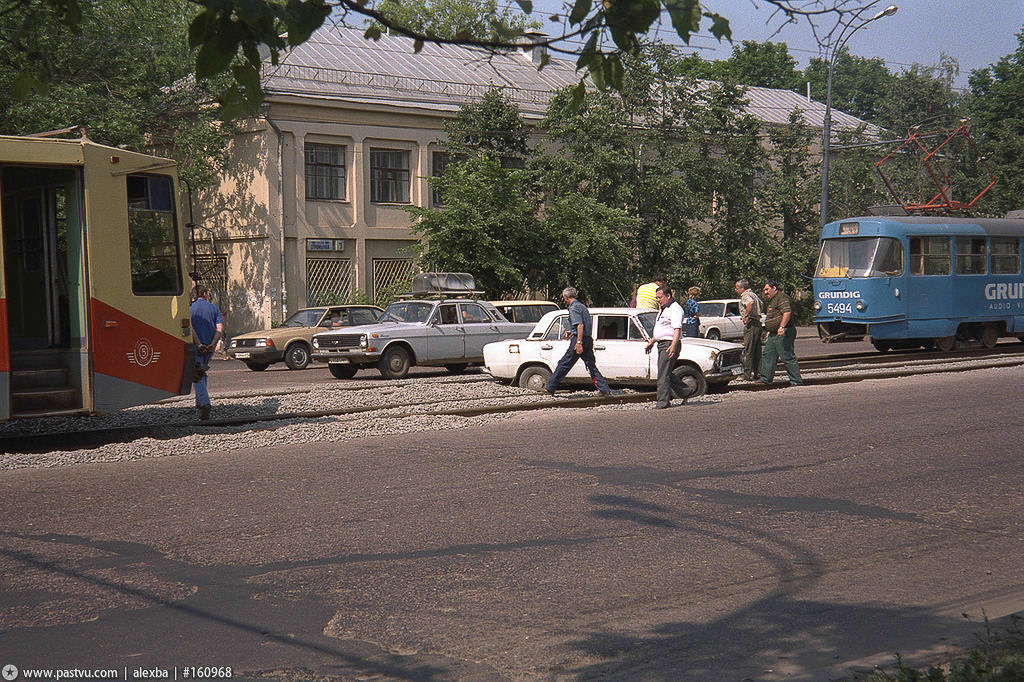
column 569, row 359
column 202, row 395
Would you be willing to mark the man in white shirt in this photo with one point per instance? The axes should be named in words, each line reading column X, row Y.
column 667, row 330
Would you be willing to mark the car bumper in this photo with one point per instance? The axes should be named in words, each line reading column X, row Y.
column 259, row 355
column 724, row 375
column 346, row 356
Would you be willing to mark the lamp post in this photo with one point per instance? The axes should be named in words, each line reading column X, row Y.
column 826, row 141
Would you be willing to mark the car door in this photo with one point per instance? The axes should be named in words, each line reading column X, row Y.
column 554, row 344
column 733, row 327
column 446, row 338
column 480, row 329
column 620, row 349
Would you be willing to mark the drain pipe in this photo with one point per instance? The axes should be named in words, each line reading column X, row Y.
column 280, row 207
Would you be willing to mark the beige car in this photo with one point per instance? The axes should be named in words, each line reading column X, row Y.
column 292, row 341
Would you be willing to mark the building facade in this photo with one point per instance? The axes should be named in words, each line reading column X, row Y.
column 312, row 208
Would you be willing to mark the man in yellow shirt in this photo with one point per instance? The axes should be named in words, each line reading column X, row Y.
column 645, row 293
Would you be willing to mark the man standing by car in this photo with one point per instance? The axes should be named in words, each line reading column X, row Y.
column 667, row 328
column 750, row 309
column 581, row 345
column 207, row 330
column 781, row 333
column 646, row 293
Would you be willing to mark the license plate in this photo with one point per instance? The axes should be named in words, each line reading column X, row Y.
column 241, row 355
column 736, row 371
column 342, row 361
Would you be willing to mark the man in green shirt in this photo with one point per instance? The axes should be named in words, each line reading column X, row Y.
column 780, row 334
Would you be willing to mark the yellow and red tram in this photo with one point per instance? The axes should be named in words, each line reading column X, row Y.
column 94, row 293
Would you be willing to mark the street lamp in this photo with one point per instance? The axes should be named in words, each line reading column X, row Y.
column 844, row 35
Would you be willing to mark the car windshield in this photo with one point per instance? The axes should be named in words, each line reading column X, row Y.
column 710, row 309
column 860, row 257
column 407, row 312
column 305, row 318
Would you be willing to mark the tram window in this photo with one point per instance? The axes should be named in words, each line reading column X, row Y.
column 971, row 256
column 860, row 257
column 1005, row 256
column 929, row 256
column 152, row 236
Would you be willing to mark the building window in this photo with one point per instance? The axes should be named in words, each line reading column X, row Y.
column 929, row 256
column 389, row 176
column 438, row 163
column 328, row 281
column 325, row 171
column 1005, row 256
column 971, row 256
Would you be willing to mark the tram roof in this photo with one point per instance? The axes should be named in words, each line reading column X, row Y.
column 903, row 225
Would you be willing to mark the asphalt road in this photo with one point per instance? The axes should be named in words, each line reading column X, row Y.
column 796, row 533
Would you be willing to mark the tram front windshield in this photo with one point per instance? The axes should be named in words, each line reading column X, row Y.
column 860, row 257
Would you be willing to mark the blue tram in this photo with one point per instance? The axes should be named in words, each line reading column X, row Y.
column 926, row 281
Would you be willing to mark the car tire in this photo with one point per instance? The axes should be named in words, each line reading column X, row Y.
column 257, row 366
column 340, row 371
column 394, row 364
column 534, row 378
column 297, row 356
column 714, row 335
column 692, row 377
column 456, row 367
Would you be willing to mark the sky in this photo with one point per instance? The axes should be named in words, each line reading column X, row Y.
column 975, row 32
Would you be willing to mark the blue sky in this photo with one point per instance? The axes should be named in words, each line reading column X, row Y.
column 976, row 32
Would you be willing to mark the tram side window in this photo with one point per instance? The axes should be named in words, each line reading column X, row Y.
column 1005, row 256
column 929, row 256
column 152, row 236
column 971, row 256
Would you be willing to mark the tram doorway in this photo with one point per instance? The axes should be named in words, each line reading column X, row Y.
column 41, row 209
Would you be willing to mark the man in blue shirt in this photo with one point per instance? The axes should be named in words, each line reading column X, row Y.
column 581, row 346
column 207, row 330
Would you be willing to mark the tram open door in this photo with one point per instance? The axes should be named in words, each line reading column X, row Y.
column 46, row 300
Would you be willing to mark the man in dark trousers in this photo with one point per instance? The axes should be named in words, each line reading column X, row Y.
column 581, row 345
column 750, row 308
column 667, row 328
column 780, row 335
column 207, row 330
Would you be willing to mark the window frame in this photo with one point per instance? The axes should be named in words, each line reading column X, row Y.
column 971, row 259
column 1015, row 242
column 395, row 178
column 335, row 183
column 919, row 259
column 172, row 241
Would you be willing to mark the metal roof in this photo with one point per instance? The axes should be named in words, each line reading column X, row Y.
column 340, row 64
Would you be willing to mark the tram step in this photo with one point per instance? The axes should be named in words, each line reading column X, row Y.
column 28, row 379
column 44, row 399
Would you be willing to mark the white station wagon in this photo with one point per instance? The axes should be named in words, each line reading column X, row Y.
column 620, row 337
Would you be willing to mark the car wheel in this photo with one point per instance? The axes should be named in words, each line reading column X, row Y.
column 339, row 371
column 257, row 366
column 693, row 379
column 534, row 378
column 457, row 367
column 713, row 334
column 297, row 356
column 394, row 364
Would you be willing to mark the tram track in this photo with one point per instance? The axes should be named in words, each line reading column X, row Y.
column 827, row 370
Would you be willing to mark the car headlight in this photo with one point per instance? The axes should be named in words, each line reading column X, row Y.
column 263, row 343
column 817, row 306
column 316, row 342
column 234, row 343
column 861, row 305
column 363, row 341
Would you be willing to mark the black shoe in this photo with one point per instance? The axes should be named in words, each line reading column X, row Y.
column 549, row 391
column 659, row 406
column 204, row 413
column 605, row 394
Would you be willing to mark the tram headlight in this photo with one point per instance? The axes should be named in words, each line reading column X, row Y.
column 861, row 306
column 817, row 305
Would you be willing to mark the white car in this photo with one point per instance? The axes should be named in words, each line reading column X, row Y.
column 720, row 319
column 620, row 337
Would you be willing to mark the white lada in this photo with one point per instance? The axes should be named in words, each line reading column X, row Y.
column 620, row 338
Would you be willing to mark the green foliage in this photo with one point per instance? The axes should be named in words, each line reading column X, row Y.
column 766, row 65
column 454, row 19
column 859, row 84
column 114, row 77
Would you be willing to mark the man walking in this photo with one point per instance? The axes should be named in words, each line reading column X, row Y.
column 207, row 330
column 645, row 293
column 667, row 328
column 581, row 345
column 781, row 333
column 750, row 309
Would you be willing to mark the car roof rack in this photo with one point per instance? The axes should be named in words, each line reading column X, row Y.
column 443, row 285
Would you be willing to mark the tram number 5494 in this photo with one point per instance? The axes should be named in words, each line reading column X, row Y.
column 839, row 308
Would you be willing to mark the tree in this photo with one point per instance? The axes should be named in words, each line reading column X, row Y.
column 765, row 65
column 859, row 84
column 114, row 78
column 236, row 36
column 451, row 18
column 997, row 109
column 921, row 95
